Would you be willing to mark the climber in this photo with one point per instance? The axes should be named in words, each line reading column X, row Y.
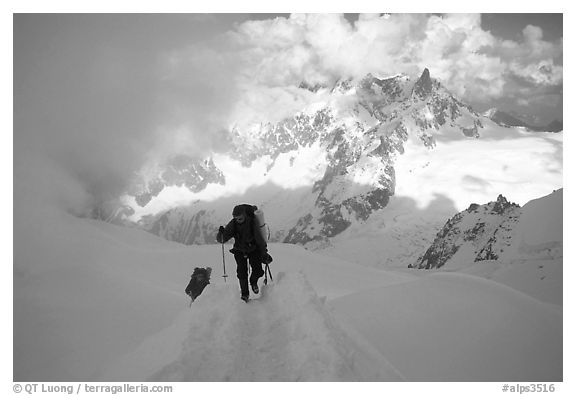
column 249, row 247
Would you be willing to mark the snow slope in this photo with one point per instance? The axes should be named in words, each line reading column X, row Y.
column 287, row 334
column 539, row 231
column 87, row 292
column 533, row 263
column 93, row 301
column 453, row 327
column 84, row 290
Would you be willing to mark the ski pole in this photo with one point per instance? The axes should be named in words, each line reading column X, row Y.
column 224, row 263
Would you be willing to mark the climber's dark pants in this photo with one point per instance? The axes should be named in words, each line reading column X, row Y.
column 242, row 261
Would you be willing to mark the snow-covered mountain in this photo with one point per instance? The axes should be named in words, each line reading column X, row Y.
column 496, row 231
column 179, row 170
column 346, row 144
column 481, row 231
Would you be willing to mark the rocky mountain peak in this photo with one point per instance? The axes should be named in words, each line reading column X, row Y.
column 423, row 87
column 357, row 134
column 479, row 233
column 343, row 85
column 502, row 205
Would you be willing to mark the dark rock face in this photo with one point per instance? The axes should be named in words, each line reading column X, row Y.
column 555, row 126
column 343, row 85
column 331, row 219
column 502, row 205
column 423, row 86
column 486, row 230
column 191, row 230
column 504, row 119
column 298, row 234
column 311, row 87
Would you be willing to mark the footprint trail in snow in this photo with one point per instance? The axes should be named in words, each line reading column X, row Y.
column 288, row 334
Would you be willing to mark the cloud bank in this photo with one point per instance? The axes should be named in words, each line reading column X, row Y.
column 471, row 62
column 96, row 97
column 272, row 57
column 100, row 96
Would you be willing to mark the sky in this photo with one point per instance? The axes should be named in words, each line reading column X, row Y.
column 100, row 95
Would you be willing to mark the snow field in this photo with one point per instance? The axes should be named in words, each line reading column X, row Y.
column 94, row 301
column 456, row 327
column 268, row 339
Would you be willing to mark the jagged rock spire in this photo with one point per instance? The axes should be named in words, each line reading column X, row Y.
column 423, row 86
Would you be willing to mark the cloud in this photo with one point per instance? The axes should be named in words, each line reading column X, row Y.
column 322, row 47
column 534, row 59
column 532, row 34
column 198, row 88
column 96, row 98
column 80, row 103
column 251, row 73
column 102, row 95
column 545, row 72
